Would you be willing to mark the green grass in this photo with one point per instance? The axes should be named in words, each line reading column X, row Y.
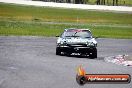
column 44, row 21
column 30, row 13
column 44, row 29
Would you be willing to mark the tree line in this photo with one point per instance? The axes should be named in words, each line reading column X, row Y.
column 98, row 2
column 103, row 2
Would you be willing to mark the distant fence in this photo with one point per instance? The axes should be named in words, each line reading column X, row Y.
column 93, row 2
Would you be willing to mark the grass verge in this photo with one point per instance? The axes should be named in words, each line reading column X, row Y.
column 41, row 21
column 53, row 29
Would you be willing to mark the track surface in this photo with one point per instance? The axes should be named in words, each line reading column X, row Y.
column 30, row 62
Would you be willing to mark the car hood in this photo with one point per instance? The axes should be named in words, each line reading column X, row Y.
column 73, row 40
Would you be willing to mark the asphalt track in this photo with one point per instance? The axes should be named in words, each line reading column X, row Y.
column 30, row 62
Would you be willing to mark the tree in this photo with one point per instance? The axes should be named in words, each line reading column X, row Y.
column 79, row 1
column 115, row 2
column 102, row 2
column 107, row 2
column 68, row 1
column 98, row 2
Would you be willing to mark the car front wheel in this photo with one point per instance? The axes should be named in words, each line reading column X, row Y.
column 58, row 51
column 93, row 55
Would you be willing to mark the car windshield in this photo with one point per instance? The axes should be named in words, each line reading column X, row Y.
column 77, row 33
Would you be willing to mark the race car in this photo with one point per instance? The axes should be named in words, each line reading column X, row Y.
column 79, row 41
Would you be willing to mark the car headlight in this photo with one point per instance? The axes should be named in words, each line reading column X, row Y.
column 58, row 43
column 61, row 43
column 90, row 44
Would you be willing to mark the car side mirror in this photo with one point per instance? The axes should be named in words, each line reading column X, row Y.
column 96, row 37
column 57, row 36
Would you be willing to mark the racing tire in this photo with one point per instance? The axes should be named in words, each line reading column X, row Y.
column 58, row 51
column 94, row 54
